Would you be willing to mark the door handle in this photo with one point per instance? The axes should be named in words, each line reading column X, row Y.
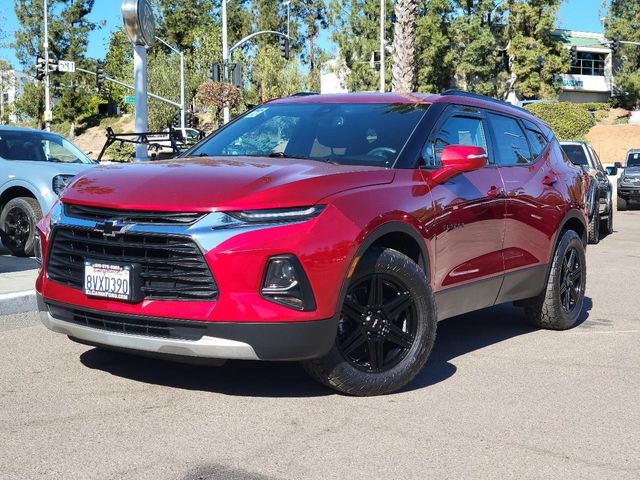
column 550, row 179
column 495, row 192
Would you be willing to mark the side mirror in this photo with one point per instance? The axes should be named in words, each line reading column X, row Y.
column 612, row 171
column 618, row 165
column 457, row 159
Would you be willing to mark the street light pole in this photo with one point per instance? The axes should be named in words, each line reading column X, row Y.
column 225, row 57
column 47, row 100
column 382, row 24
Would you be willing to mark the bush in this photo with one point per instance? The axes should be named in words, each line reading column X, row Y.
column 568, row 120
column 120, row 152
column 596, row 106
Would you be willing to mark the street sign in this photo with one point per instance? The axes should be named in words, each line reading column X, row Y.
column 130, row 99
column 66, row 66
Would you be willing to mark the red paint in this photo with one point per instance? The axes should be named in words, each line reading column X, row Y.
column 474, row 221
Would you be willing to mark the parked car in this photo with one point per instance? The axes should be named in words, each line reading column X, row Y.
column 599, row 196
column 629, row 181
column 35, row 166
column 332, row 229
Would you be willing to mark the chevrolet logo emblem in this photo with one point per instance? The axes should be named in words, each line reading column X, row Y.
column 111, row 228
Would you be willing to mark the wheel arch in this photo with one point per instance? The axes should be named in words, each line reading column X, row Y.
column 20, row 189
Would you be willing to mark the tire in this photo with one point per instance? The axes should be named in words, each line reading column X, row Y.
column 606, row 225
column 549, row 309
column 376, row 355
column 18, row 221
column 622, row 204
column 594, row 228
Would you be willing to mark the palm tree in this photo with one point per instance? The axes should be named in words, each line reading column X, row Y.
column 404, row 38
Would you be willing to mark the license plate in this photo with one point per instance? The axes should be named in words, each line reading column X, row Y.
column 107, row 280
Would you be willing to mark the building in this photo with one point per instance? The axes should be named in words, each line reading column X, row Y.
column 12, row 85
column 333, row 77
column 591, row 79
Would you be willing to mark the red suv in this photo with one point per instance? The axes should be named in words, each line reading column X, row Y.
column 333, row 229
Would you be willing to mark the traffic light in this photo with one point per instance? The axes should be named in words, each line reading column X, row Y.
column 100, row 75
column 41, row 68
column 188, row 120
column 215, row 72
column 236, row 74
column 284, row 47
column 615, row 45
column 574, row 55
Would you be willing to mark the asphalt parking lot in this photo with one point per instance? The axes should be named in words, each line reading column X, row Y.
column 498, row 399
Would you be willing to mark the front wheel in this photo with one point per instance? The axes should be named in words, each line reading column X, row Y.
column 18, row 221
column 622, row 204
column 607, row 225
column 559, row 305
column 386, row 330
column 594, row 228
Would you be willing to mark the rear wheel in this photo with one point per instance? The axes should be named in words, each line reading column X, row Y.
column 386, row 330
column 18, row 221
column 622, row 204
column 606, row 225
column 559, row 305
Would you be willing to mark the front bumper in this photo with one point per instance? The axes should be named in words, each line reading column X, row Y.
column 206, row 340
column 629, row 193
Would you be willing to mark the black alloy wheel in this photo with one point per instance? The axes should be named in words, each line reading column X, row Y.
column 378, row 324
column 571, row 288
column 18, row 221
column 17, row 227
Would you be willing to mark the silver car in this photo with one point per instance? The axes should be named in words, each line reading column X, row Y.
column 35, row 166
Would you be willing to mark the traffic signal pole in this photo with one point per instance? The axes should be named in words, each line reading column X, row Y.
column 47, row 100
column 225, row 58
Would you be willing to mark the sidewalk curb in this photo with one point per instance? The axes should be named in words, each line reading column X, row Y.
column 18, row 302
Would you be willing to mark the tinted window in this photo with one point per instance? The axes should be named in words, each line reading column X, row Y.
column 512, row 147
column 537, row 141
column 455, row 131
column 576, row 154
column 351, row 134
column 633, row 160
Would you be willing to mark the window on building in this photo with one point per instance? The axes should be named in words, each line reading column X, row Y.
column 589, row 64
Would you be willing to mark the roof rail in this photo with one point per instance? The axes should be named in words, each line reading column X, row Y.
column 303, row 94
column 462, row 93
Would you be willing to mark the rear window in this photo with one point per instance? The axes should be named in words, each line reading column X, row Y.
column 576, row 154
column 633, row 159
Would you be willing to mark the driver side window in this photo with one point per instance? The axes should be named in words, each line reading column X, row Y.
column 457, row 130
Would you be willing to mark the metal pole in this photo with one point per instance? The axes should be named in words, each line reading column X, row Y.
column 182, row 106
column 47, row 100
column 288, row 4
column 225, row 56
column 382, row 23
column 140, row 83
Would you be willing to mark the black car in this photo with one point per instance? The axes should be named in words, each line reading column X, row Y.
column 600, row 191
column 629, row 181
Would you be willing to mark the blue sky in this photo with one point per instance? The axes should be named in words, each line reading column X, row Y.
column 574, row 15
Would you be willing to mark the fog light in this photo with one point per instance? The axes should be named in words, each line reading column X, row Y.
column 285, row 283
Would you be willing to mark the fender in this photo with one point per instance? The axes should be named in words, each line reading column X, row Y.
column 570, row 215
column 392, row 226
column 45, row 199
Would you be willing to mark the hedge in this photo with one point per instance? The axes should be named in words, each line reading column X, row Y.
column 568, row 120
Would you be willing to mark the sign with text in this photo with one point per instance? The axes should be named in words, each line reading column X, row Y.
column 66, row 66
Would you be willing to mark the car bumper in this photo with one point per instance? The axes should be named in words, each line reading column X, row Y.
column 629, row 193
column 205, row 340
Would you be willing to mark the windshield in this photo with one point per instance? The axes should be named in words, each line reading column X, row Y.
column 39, row 147
column 633, row 159
column 347, row 134
column 576, row 154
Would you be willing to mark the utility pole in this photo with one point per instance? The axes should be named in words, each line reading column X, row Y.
column 288, row 5
column 382, row 24
column 47, row 101
column 225, row 57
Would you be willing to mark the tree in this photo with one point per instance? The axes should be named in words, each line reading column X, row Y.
column 622, row 21
column 404, row 38
column 434, row 54
column 313, row 15
column 6, row 82
column 536, row 57
column 356, row 32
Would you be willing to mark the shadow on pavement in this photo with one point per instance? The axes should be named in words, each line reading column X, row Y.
column 456, row 337
column 10, row 264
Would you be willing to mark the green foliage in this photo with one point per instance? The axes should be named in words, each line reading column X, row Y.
column 535, row 56
column 596, row 106
column 120, row 152
column 622, row 20
column 274, row 77
column 434, row 56
column 568, row 120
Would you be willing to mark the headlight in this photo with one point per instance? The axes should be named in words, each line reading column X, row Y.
column 59, row 183
column 278, row 215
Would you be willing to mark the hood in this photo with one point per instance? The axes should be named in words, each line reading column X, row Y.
column 631, row 172
column 208, row 184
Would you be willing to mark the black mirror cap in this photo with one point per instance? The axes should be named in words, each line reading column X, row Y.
column 612, row 171
column 618, row 165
